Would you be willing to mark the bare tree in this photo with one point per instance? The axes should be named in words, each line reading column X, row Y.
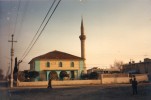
column 118, row 64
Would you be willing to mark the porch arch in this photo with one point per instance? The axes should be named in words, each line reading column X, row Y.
column 53, row 75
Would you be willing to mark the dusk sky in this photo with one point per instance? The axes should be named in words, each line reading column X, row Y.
column 115, row 30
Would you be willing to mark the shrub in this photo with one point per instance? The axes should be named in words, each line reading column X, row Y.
column 53, row 75
column 93, row 75
column 27, row 75
column 63, row 74
column 85, row 76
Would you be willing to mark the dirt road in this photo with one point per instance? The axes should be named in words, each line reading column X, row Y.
column 95, row 92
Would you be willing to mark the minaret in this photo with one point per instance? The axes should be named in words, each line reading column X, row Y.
column 82, row 38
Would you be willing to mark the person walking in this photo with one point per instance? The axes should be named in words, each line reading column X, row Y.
column 49, row 84
column 134, row 86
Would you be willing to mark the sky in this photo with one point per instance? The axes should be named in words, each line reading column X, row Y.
column 116, row 30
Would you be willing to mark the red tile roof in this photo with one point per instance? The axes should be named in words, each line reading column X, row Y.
column 56, row 55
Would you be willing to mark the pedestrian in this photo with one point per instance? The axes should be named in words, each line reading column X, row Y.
column 134, row 86
column 49, row 84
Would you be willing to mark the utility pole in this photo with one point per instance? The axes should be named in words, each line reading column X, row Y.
column 7, row 74
column 12, row 55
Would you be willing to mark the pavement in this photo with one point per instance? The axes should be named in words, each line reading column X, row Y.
column 81, row 92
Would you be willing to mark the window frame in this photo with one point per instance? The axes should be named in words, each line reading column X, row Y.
column 72, row 64
column 60, row 64
column 47, row 64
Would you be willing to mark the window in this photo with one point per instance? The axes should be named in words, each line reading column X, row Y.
column 60, row 64
column 48, row 64
column 72, row 64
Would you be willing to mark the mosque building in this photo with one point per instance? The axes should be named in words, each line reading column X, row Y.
column 58, row 61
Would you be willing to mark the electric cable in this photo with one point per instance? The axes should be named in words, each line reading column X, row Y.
column 41, row 30
column 38, row 29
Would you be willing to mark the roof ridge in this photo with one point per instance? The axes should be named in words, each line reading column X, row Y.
column 56, row 55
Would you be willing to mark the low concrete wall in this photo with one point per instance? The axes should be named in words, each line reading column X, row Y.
column 105, row 79
column 60, row 83
column 142, row 77
column 76, row 82
column 38, row 83
column 115, row 80
column 122, row 80
column 110, row 79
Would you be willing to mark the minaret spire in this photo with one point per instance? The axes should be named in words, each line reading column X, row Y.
column 82, row 38
column 82, row 27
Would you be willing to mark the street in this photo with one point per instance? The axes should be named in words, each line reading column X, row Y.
column 93, row 92
column 3, row 90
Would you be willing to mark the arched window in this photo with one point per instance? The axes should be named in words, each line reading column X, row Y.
column 48, row 64
column 60, row 64
column 72, row 64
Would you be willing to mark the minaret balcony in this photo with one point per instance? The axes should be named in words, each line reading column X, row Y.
column 82, row 37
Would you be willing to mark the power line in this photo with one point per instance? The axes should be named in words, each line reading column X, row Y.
column 42, row 30
column 38, row 29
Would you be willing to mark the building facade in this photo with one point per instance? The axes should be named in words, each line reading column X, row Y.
column 57, row 61
column 140, row 67
column 103, row 71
